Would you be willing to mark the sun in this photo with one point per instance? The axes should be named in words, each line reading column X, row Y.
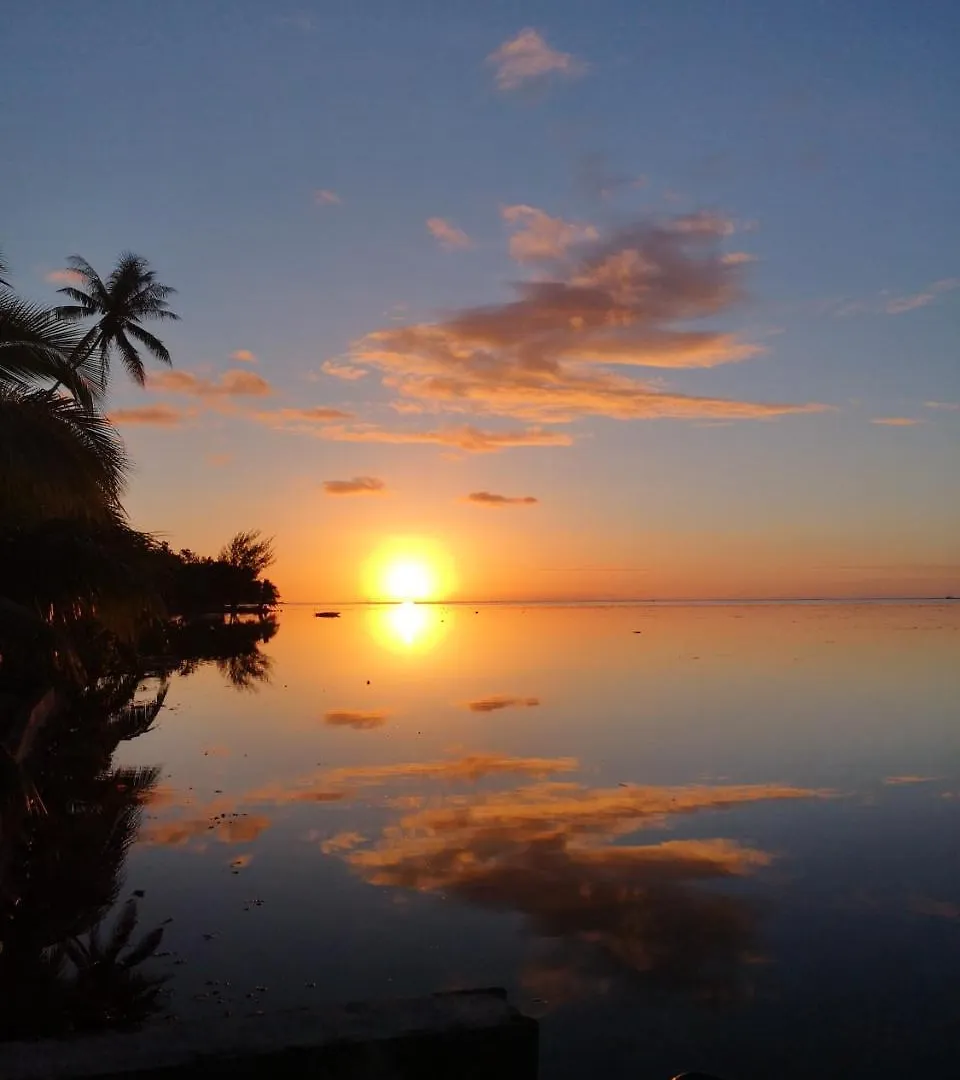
column 409, row 579
column 410, row 569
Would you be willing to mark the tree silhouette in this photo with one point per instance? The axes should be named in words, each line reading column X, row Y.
column 119, row 305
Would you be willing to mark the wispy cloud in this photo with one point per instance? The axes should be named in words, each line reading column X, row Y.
column 64, row 277
column 470, row 768
column 308, row 420
column 950, row 406
column 896, row 421
column 243, row 356
column 360, row 721
column 538, row 237
column 326, row 197
column 899, row 305
column 447, row 234
column 469, row 439
column 501, row 701
column 229, row 384
column 347, row 372
column 488, row 498
column 217, row 461
column 149, row 415
column 359, row 485
column 527, row 57
column 619, row 302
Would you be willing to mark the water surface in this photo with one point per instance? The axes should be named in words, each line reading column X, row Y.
column 718, row 837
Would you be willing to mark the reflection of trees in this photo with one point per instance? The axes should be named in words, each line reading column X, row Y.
column 649, row 915
column 232, row 643
column 62, row 849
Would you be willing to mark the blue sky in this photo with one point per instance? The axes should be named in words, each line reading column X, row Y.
column 823, row 135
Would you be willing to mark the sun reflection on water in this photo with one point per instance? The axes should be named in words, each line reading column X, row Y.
column 408, row 627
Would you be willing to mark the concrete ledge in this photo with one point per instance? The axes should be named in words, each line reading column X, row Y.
column 467, row 1035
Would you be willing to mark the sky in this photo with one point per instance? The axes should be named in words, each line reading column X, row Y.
column 561, row 300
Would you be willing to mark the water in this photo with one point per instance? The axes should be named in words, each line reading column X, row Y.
column 717, row 837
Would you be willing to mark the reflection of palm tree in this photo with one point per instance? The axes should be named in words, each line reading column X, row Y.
column 61, row 872
column 99, row 978
column 130, row 294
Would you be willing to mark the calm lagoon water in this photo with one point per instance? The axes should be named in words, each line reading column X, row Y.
column 718, row 837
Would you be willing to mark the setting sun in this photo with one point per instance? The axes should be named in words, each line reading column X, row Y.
column 409, row 569
column 408, row 579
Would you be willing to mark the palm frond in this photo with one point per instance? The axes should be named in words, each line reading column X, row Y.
column 131, row 358
column 56, row 459
column 154, row 344
column 37, row 346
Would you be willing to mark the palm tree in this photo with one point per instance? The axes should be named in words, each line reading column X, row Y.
column 130, row 294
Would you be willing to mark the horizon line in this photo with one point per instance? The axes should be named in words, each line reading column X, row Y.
column 641, row 600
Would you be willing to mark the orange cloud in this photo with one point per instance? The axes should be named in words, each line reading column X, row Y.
column 219, row 460
column 361, row 721
column 359, row 485
column 897, row 780
column 326, row 197
column 342, row 371
column 469, row 439
column 539, row 237
column 501, row 701
column 229, row 384
column 343, row 841
column 155, row 415
column 488, row 498
column 243, row 356
column 449, row 236
column 64, row 277
column 603, row 909
column 304, row 419
column 896, row 421
column 528, row 57
column 545, row 357
column 224, row 828
column 472, row 767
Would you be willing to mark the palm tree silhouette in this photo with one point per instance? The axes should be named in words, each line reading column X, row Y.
column 130, row 294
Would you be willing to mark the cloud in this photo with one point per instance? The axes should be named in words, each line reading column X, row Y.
column 224, row 827
column 243, row 356
column 359, row 485
column 528, row 57
column 472, row 767
column 448, row 235
column 559, row 351
column 153, row 415
column 342, row 841
column 228, row 384
column 603, row 909
column 64, row 277
column 487, row 498
column 541, row 238
column 347, row 372
column 469, row 439
column 304, row 419
column 896, row 421
column 361, row 721
column 897, row 780
column 501, row 701
column 326, row 197
column 899, row 305
column 219, row 460
column 950, row 406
